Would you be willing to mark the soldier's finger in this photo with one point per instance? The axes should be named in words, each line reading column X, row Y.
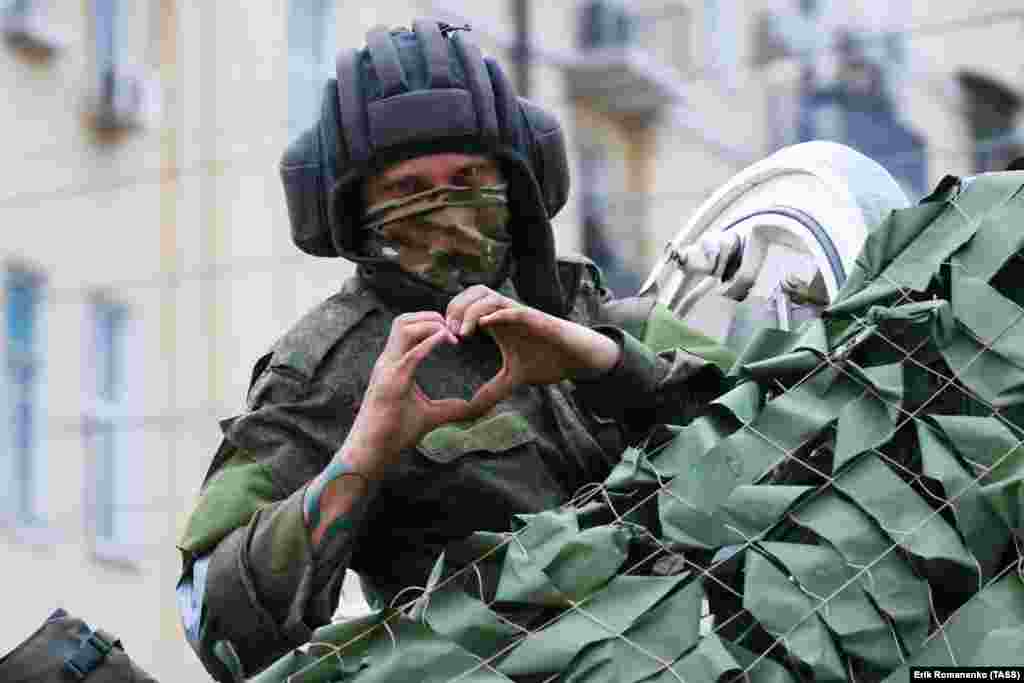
column 515, row 314
column 402, row 322
column 407, row 336
column 481, row 307
column 524, row 320
column 415, row 317
column 444, row 410
column 493, row 392
column 463, row 300
column 412, row 358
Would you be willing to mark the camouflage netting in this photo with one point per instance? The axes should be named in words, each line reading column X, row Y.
column 854, row 505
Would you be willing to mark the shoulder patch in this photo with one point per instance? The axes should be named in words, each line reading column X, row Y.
column 302, row 349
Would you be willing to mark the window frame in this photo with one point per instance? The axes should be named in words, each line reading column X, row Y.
column 121, row 97
column 108, row 36
column 34, row 527
column 118, row 417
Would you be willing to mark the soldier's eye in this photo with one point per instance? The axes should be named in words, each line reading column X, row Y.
column 406, row 185
column 468, row 177
column 402, row 187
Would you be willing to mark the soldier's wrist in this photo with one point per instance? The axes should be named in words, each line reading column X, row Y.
column 364, row 458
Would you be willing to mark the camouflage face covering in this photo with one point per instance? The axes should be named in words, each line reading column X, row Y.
column 450, row 237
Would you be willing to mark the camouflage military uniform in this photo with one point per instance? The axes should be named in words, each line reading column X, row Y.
column 266, row 588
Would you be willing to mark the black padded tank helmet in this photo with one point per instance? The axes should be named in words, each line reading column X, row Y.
column 423, row 91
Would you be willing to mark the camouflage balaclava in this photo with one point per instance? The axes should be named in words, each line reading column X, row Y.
column 449, row 237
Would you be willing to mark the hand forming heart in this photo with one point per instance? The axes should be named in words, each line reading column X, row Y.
column 536, row 348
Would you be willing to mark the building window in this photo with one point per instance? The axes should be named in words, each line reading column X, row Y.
column 108, row 34
column 24, row 453
column 311, row 52
column 606, row 214
column 604, row 24
column 109, row 25
column 19, row 8
column 859, row 109
column 122, row 98
column 117, row 503
column 850, row 85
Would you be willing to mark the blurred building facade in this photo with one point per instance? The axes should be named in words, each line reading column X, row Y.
column 146, row 254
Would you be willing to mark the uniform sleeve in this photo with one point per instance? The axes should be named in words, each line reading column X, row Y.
column 666, row 373
column 266, row 589
column 262, row 587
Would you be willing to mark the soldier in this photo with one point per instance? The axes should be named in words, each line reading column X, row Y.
column 464, row 376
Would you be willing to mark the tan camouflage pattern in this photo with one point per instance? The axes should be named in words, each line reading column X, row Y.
column 450, row 237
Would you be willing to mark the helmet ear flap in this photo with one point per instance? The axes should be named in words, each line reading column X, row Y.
column 536, row 134
column 547, row 155
column 505, row 105
column 310, row 165
column 307, row 173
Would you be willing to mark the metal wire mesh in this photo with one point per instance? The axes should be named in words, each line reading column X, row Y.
column 841, row 362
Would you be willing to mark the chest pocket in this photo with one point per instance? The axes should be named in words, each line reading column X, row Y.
column 494, row 434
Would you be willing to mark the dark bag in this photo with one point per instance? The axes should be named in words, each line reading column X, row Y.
column 65, row 649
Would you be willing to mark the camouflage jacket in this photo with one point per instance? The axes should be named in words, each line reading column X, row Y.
column 266, row 589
